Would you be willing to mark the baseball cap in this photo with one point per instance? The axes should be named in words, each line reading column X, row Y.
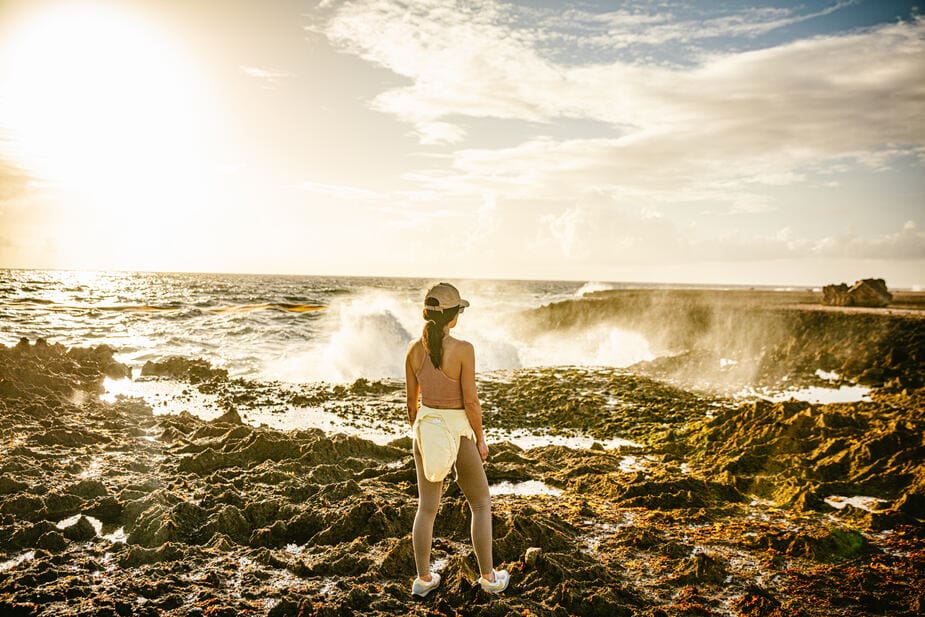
column 447, row 297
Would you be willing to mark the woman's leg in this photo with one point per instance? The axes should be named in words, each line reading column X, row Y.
column 422, row 533
column 474, row 484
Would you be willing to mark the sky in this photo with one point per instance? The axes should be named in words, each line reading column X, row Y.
column 718, row 142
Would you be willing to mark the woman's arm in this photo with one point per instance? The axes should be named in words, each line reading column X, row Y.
column 471, row 397
column 412, row 386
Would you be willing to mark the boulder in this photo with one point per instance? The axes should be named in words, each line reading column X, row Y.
column 52, row 541
column 532, row 556
column 28, row 535
column 81, row 531
column 229, row 417
column 11, row 485
column 185, row 369
column 701, row 568
column 866, row 292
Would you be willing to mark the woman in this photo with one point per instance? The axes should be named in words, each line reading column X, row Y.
column 447, row 434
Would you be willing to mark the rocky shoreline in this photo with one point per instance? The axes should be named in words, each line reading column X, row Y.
column 724, row 507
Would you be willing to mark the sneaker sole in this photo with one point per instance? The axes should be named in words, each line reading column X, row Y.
column 497, row 591
column 426, row 593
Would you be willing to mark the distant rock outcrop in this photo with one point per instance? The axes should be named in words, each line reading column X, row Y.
column 866, row 292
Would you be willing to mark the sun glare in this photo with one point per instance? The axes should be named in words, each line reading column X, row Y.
column 106, row 108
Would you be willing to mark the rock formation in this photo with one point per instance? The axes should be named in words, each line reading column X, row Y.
column 866, row 292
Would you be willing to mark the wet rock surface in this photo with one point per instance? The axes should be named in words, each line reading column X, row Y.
column 723, row 507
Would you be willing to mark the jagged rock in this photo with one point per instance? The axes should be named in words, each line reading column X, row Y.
column 158, row 524
column 912, row 504
column 272, row 536
column 108, row 509
column 363, row 517
column 10, row 608
column 140, row 555
column 528, row 528
column 70, row 438
column 303, row 526
column 26, row 507
column 229, row 417
column 59, row 506
column 11, row 485
column 826, row 546
column 532, row 556
column 52, row 541
column 399, row 557
column 80, row 531
column 221, row 543
column 194, row 371
column 702, row 568
column 759, row 602
column 866, row 292
column 229, row 521
column 261, row 513
column 29, row 535
column 100, row 358
column 89, row 489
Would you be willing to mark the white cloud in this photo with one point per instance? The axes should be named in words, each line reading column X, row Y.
column 620, row 29
column 597, row 235
column 726, row 134
column 908, row 243
column 717, row 132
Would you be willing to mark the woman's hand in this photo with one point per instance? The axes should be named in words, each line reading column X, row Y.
column 483, row 448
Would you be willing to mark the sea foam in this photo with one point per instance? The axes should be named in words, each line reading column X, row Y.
column 368, row 337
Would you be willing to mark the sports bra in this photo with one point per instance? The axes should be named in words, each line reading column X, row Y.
column 437, row 389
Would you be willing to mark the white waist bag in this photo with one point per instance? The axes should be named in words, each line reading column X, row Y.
column 437, row 433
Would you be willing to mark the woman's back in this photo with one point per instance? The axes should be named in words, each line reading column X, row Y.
column 440, row 387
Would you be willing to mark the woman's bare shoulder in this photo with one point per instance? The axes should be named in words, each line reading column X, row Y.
column 415, row 349
column 458, row 346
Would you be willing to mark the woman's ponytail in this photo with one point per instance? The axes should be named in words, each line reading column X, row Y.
column 433, row 341
column 433, row 332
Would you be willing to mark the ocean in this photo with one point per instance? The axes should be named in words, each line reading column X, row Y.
column 294, row 328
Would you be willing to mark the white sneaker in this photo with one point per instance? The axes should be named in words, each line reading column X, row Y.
column 502, row 578
column 422, row 588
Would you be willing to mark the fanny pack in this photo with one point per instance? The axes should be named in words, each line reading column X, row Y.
column 437, row 433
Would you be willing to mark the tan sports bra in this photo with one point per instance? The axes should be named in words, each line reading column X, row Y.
column 437, row 389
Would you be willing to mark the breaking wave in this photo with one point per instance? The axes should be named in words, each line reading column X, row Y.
column 368, row 337
column 593, row 286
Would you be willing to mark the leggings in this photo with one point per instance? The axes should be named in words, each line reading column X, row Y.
column 474, row 484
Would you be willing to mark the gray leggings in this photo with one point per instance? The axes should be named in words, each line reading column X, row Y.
column 474, row 485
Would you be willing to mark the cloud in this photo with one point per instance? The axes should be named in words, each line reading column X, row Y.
column 907, row 243
column 627, row 28
column 725, row 132
column 269, row 77
column 595, row 235
column 451, row 53
column 718, row 131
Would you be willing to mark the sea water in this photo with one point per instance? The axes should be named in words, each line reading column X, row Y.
column 293, row 328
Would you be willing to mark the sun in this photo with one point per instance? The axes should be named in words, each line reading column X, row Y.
column 100, row 104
